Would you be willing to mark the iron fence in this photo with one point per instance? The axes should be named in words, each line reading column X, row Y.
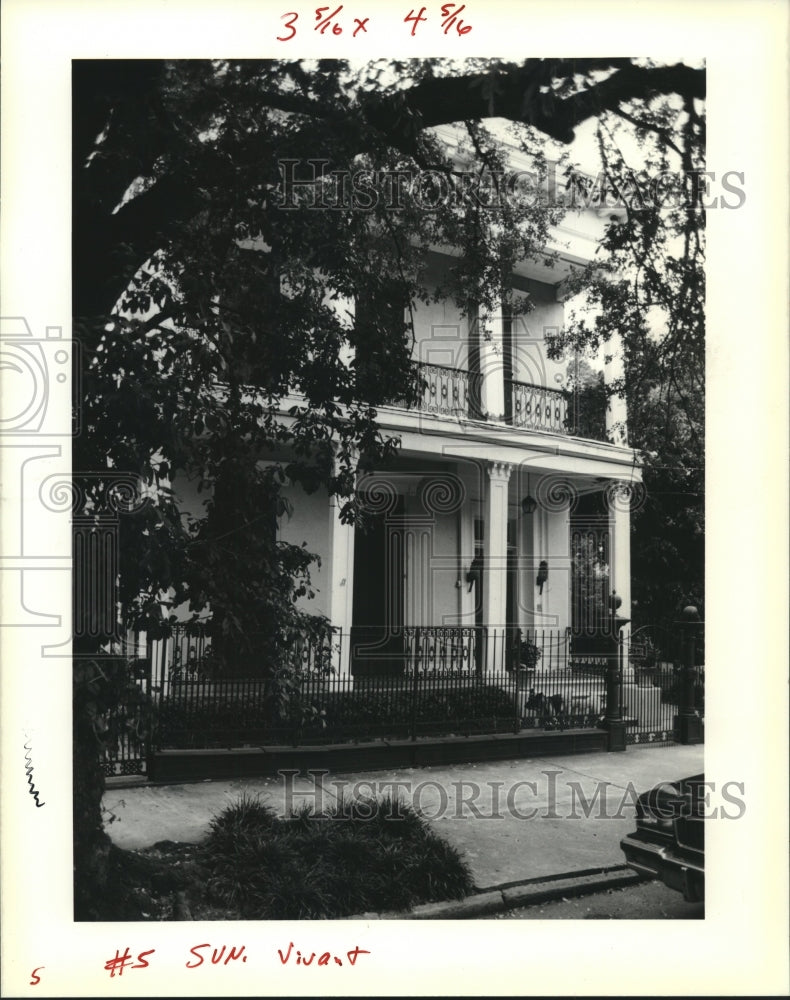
column 442, row 681
column 656, row 654
column 450, row 681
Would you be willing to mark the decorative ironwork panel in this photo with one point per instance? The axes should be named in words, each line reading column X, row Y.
column 441, row 650
column 591, row 562
column 445, row 390
column 538, row 408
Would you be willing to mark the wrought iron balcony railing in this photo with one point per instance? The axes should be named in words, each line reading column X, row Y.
column 456, row 392
column 538, row 408
column 450, row 391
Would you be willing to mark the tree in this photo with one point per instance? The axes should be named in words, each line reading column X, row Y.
column 198, row 276
column 644, row 300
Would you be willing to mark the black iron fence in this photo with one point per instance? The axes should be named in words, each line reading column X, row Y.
column 657, row 656
column 321, row 710
column 444, row 681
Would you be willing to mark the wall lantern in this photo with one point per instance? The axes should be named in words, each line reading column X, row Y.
column 529, row 504
column 475, row 575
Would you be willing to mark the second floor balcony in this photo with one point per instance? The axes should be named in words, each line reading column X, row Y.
column 456, row 392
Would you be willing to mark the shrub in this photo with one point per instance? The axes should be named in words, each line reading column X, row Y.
column 529, row 654
column 362, row 854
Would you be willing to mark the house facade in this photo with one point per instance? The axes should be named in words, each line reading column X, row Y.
column 499, row 521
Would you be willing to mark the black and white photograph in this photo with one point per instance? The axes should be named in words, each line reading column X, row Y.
column 378, row 458
column 407, row 413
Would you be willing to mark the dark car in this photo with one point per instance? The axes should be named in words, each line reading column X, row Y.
column 669, row 840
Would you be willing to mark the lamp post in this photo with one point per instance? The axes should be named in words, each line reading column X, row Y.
column 687, row 723
column 614, row 722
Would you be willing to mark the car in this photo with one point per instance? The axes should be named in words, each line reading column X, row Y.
column 669, row 840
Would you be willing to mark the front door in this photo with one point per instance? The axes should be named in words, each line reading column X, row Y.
column 377, row 620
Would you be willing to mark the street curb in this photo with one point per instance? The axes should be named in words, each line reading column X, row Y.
column 521, row 894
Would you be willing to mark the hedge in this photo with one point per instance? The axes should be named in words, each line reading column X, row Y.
column 330, row 717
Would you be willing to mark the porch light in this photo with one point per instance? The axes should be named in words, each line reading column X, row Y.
column 529, row 504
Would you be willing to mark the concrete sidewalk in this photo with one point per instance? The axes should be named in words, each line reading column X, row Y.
column 513, row 820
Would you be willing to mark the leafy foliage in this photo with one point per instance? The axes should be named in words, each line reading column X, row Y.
column 644, row 298
column 99, row 686
column 529, row 654
column 587, row 402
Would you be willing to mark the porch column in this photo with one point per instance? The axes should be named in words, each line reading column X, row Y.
column 621, row 577
column 495, row 563
column 616, row 411
column 341, row 575
column 341, row 581
column 621, row 565
column 492, row 365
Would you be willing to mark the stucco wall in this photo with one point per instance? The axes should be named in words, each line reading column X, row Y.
column 309, row 524
column 441, row 333
column 530, row 360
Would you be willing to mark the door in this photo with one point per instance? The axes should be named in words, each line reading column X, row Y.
column 377, row 615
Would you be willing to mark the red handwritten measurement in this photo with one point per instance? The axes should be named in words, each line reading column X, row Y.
column 201, row 954
column 325, row 20
column 450, row 19
column 332, row 21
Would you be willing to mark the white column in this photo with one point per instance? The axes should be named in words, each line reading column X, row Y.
column 341, row 536
column 492, row 365
column 616, row 412
column 495, row 563
column 621, row 566
column 341, row 576
column 466, row 553
column 621, row 558
column 417, row 534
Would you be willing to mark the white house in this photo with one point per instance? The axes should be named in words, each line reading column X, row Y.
column 497, row 515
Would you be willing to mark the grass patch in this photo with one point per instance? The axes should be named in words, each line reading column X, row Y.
column 364, row 854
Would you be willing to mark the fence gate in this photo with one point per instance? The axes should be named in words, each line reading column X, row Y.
column 125, row 752
column 652, row 684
